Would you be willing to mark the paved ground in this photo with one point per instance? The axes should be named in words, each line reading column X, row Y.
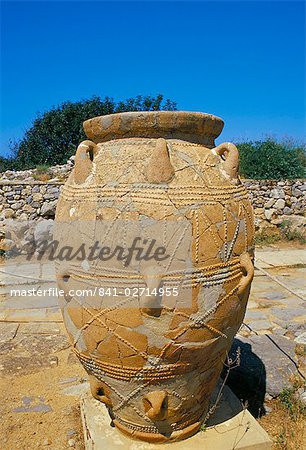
column 41, row 377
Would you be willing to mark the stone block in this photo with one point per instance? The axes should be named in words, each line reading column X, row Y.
column 229, row 427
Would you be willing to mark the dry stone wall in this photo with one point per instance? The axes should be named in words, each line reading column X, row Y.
column 272, row 199
column 26, row 201
column 25, row 198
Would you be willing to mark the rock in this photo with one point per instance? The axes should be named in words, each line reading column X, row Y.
column 76, row 389
column 51, row 196
column 300, row 396
column 48, row 209
column 16, row 229
column 25, row 201
column 296, row 192
column 8, row 195
column 270, row 214
column 17, row 205
column 28, row 208
column 270, row 203
column 71, row 442
column 35, row 204
column 268, row 409
column 52, row 190
column 279, row 204
column 37, row 197
column 8, row 213
column 287, row 210
column 278, row 193
column 300, row 341
column 259, row 212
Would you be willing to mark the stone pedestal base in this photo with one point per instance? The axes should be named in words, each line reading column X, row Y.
column 229, row 427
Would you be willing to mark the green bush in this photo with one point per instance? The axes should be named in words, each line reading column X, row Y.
column 42, row 168
column 271, row 160
column 5, row 164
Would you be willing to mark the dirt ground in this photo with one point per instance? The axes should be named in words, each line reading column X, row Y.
column 38, row 411
column 288, row 431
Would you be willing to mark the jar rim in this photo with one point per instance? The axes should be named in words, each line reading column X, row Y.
column 190, row 126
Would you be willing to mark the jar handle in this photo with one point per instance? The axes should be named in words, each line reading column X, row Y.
column 83, row 163
column 230, row 156
column 247, row 267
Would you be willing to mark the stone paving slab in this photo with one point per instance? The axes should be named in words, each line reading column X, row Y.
column 21, row 302
column 31, row 315
column 8, row 331
column 292, row 277
column 274, row 309
column 21, row 365
column 27, row 272
column 266, row 361
column 49, row 328
column 232, row 427
column 279, row 257
column 26, row 352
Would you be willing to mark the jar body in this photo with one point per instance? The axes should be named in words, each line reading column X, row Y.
column 155, row 367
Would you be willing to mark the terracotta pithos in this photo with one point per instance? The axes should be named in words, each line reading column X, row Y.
column 155, row 367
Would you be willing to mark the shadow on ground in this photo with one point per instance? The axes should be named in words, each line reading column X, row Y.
column 248, row 380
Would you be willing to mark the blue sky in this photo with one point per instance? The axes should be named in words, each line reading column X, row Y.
column 243, row 61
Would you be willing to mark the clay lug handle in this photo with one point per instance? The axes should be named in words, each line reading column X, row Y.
column 97, row 391
column 159, row 168
column 156, row 405
column 230, row 155
column 84, row 157
column 248, row 273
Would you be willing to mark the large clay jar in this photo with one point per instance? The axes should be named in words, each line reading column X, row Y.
column 155, row 367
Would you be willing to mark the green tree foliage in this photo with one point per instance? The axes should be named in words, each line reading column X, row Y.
column 5, row 163
column 55, row 134
column 271, row 160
